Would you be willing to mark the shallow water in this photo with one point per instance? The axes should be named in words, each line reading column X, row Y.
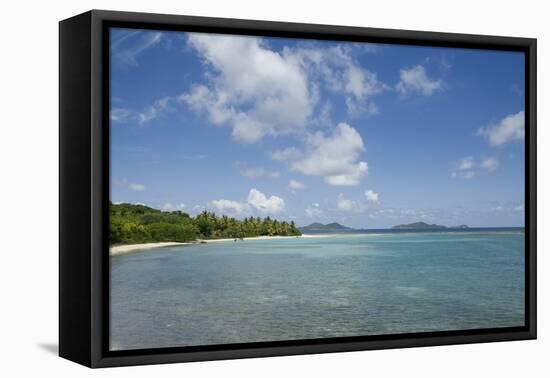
column 304, row 288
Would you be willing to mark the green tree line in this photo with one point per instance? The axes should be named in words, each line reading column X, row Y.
column 142, row 224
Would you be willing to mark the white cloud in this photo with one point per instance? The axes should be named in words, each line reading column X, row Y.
column 466, row 163
column 256, row 201
column 147, row 114
column 401, row 215
column 258, row 172
column 314, row 211
column 203, row 99
column 334, row 157
column 137, row 187
column 225, row 206
column 509, row 209
column 197, row 209
column 258, row 91
column 464, row 168
column 290, row 153
column 415, row 79
column 323, row 117
column 467, row 167
column 339, row 72
column 346, row 204
column 371, row 196
column 168, row 206
column 152, row 111
column 519, row 208
column 296, row 185
column 132, row 185
column 270, row 89
column 262, row 203
column 510, row 128
column 128, row 46
column 489, row 164
column 120, row 115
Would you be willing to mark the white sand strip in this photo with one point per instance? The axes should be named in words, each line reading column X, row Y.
column 248, row 238
column 128, row 248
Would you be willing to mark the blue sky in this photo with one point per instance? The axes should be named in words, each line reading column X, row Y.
column 317, row 131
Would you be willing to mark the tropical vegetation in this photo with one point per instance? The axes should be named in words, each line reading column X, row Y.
column 131, row 223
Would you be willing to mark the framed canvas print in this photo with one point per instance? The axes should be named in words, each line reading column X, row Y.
column 233, row 188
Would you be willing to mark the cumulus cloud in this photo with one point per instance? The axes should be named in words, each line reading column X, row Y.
column 336, row 69
column 257, row 91
column 254, row 90
column 296, row 185
column 228, row 206
column 289, row 153
column 371, row 196
column 197, row 209
column 510, row 128
column 345, row 204
column 415, row 79
column 262, row 203
column 256, row 202
column 334, row 157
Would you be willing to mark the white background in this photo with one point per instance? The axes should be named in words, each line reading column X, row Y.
column 29, row 186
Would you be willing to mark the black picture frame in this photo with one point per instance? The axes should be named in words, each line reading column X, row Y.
column 84, row 187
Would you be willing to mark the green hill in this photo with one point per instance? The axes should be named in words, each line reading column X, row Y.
column 330, row 227
column 418, row 226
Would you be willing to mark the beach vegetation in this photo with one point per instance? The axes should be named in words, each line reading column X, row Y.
column 130, row 224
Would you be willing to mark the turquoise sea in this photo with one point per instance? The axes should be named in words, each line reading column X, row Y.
column 302, row 288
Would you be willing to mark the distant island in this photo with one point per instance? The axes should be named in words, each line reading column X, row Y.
column 330, row 227
column 338, row 228
column 131, row 224
column 460, row 226
column 425, row 226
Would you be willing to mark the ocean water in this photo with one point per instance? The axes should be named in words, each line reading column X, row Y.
column 306, row 288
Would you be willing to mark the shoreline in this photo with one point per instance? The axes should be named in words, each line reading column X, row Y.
column 129, row 248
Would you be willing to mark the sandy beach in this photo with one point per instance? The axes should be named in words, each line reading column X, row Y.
column 129, row 248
